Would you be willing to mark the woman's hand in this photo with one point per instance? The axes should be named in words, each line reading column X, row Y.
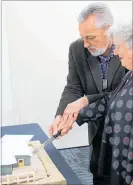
column 71, row 113
column 74, row 108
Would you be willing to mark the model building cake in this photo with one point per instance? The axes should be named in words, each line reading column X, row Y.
column 20, row 166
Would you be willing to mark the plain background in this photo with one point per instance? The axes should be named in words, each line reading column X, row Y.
column 35, row 42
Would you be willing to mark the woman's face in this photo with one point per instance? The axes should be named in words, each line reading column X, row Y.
column 124, row 53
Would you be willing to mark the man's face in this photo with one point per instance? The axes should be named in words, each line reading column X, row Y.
column 124, row 53
column 95, row 39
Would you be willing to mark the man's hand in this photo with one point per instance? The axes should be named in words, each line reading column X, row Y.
column 66, row 121
column 59, row 124
column 71, row 113
column 53, row 129
column 65, row 126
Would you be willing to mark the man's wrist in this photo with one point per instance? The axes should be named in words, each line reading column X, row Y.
column 58, row 117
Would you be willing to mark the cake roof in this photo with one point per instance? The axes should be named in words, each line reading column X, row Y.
column 13, row 145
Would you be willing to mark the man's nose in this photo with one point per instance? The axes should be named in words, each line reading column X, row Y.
column 86, row 44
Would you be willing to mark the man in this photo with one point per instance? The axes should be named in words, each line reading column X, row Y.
column 93, row 69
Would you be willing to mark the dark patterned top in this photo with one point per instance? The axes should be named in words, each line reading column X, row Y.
column 116, row 153
column 104, row 61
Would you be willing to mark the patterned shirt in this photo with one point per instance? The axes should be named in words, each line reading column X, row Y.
column 116, row 153
column 118, row 134
column 104, row 61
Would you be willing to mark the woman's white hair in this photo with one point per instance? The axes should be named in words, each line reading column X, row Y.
column 100, row 10
column 124, row 32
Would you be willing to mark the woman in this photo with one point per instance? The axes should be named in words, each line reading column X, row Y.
column 116, row 155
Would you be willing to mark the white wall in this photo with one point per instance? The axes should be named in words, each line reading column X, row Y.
column 0, row 69
column 38, row 37
column 8, row 114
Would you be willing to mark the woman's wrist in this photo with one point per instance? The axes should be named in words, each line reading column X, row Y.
column 84, row 102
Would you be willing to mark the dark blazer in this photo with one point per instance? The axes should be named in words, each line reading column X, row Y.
column 84, row 78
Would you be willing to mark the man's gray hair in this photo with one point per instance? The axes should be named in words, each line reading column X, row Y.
column 101, row 11
column 124, row 32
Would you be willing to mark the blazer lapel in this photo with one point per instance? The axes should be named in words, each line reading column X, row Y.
column 112, row 69
column 94, row 65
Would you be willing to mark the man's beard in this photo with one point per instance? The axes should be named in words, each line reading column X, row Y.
column 98, row 51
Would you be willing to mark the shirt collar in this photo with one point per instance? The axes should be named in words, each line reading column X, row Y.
column 111, row 53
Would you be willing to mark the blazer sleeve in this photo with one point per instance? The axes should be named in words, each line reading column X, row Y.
column 73, row 89
column 95, row 110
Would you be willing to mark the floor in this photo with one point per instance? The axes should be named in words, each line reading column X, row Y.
column 78, row 160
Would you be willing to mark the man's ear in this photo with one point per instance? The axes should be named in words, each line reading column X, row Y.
column 107, row 28
column 130, row 54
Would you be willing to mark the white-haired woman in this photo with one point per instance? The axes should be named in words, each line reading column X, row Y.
column 116, row 156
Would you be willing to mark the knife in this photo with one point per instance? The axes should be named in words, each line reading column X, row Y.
column 47, row 142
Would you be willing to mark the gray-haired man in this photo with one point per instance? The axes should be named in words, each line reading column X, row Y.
column 93, row 68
